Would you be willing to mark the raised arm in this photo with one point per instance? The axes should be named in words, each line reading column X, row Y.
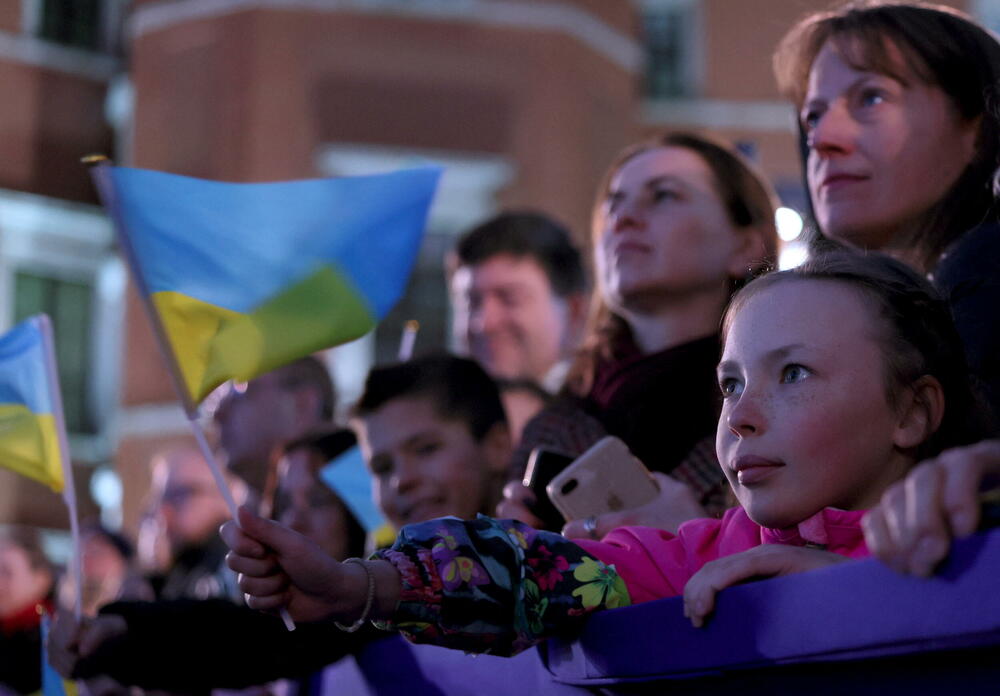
column 482, row 585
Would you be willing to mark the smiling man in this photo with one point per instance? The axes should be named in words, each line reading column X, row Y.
column 518, row 297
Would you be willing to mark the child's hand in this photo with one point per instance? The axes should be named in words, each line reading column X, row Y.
column 280, row 568
column 71, row 641
column 674, row 505
column 63, row 643
column 760, row 562
column 912, row 527
column 515, row 505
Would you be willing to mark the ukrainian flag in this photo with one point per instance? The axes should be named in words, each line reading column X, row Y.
column 52, row 683
column 248, row 277
column 29, row 439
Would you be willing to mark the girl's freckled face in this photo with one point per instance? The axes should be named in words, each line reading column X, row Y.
column 805, row 416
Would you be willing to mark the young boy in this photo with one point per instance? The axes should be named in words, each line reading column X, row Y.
column 435, row 437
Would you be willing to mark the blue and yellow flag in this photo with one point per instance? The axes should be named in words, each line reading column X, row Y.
column 29, row 420
column 248, row 277
column 52, row 683
column 348, row 476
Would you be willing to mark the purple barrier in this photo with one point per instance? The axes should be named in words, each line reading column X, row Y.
column 394, row 667
column 849, row 612
column 790, row 634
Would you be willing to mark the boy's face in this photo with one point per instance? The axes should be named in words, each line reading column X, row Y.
column 425, row 466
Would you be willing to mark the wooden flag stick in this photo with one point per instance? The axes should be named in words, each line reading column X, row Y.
column 69, row 486
column 220, row 481
column 408, row 340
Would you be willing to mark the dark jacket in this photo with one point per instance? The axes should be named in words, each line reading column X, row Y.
column 193, row 646
column 968, row 276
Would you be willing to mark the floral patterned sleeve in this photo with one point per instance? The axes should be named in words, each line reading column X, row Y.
column 495, row 586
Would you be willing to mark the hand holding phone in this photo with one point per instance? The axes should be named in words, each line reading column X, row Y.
column 543, row 466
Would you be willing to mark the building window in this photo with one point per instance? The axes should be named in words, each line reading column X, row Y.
column 88, row 25
column 669, row 38
column 71, row 22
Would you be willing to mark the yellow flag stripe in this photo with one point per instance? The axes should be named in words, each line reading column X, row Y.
column 29, row 445
column 213, row 344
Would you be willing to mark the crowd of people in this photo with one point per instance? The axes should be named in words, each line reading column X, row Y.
column 790, row 419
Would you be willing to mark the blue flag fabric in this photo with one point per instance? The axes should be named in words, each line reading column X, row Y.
column 248, row 277
column 348, row 477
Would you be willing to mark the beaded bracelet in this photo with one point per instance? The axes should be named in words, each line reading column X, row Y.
column 368, row 603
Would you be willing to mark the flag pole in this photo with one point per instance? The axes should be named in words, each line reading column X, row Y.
column 44, row 325
column 100, row 172
column 408, row 340
column 220, row 481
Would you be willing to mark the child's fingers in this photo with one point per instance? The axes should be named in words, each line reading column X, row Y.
column 274, row 536
column 699, row 593
column 101, row 629
column 717, row 575
column 267, row 602
column 240, row 542
column 907, row 530
column 893, row 509
column 253, row 567
column 965, row 470
column 877, row 537
column 926, row 536
column 759, row 562
column 516, row 504
column 63, row 642
column 262, row 587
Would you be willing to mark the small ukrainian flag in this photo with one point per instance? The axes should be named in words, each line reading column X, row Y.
column 29, row 419
column 52, row 683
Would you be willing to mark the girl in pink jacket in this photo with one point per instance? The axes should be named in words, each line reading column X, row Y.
column 836, row 377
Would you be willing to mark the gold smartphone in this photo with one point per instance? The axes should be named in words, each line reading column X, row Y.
column 605, row 478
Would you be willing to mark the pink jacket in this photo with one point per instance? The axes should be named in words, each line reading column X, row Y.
column 655, row 563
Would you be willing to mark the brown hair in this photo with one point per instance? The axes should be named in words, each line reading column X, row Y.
column 749, row 201
column 938, row 46
column 917, row 335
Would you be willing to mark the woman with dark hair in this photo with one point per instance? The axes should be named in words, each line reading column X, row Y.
column 900, row 108
column 679, row 222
